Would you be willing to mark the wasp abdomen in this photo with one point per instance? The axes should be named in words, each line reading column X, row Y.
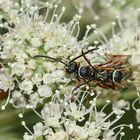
column 117, row 76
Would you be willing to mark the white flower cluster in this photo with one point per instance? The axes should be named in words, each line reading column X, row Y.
column 69, row 120
column 30, row 79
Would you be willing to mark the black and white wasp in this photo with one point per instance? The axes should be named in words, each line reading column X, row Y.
column 108, row 75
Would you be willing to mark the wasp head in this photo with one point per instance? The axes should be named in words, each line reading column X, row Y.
column 72, row 67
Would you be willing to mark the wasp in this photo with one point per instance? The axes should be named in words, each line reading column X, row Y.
column 108, row 75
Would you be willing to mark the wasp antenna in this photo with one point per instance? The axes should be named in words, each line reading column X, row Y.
column 84, row 53
column 51, row 58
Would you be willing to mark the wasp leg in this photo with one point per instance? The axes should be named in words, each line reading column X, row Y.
column 106, row 86
column 109, row 69
column 103, row 86
column 124, row 59
column 84, row 83
column 112, row 57
column 119, row 55
column 121, row 85
column 108, row 56
column 77, row 80
column 108, row 62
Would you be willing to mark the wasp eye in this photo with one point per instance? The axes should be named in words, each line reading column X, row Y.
column 72, row 67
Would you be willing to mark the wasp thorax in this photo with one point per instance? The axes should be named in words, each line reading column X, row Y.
column 85, row 72
column 72, row 67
